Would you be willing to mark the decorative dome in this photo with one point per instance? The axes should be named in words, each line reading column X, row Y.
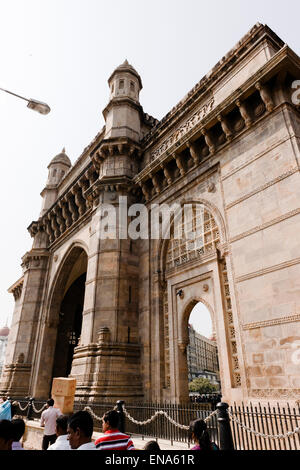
column 4, row 331
column 61, row 158
column 126, row 67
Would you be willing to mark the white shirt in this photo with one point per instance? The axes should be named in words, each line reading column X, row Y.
column 61, row 443
column 48, row 419
column 88, row 446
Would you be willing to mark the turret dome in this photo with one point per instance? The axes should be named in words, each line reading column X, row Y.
column 126, row 67
column 63, row 158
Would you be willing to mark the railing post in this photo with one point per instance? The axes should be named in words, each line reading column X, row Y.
column 226, row 441
column 30, row 409
column 121, row 425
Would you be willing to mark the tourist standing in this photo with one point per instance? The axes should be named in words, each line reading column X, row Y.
column 48, row 421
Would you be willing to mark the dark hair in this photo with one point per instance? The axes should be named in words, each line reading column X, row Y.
column 198, row 430
column 6, row 429
column 62, row 423
column 112, row 417
column 18, row 428
column 50, row 402
column 152, row 446
column 83, row 421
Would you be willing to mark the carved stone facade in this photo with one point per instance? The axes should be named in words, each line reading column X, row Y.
column 230, row 145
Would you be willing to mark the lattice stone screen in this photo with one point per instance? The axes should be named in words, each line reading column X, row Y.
column 206, row 235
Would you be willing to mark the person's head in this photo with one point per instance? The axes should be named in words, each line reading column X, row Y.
column 18, row 429
column 199, row 434
column 6, row 434
column 152, row 446
column 110, row 420
column 80, row 429
column 50, row 402
column 61, row 425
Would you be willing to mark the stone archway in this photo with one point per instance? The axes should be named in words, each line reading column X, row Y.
column 67, row 292
column 189, row 274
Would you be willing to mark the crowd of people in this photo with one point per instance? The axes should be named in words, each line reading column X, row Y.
column 75, row 433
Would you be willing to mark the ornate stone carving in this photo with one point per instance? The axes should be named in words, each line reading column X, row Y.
column 180, row 164
column 167, row 174
column 54, row 224
column 225, row 127
column 211, row 187
column 192, row 122
column 156, row 183
column 72, row 208
column 275, row 321
column 63, row 204
column 244, row 112
column 209, row 141
column 194, row 153
column 79, row 200
column 265, row 96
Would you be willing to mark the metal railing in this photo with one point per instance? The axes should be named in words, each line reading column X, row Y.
column 257, row 427
column 240, row 427
column 161, row 427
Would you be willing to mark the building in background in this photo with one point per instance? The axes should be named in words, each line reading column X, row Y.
column 4, row 332
column 202, row 358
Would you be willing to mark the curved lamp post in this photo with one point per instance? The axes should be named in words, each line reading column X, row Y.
column 36, row 105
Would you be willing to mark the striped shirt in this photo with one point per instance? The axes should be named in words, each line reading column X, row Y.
column 114, row 440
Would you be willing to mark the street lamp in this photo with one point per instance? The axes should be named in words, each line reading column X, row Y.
column 36, row 105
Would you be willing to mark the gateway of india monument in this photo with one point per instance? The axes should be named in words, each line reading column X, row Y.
column 113, row 313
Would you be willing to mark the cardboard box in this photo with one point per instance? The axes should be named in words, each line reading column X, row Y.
column 63, row 387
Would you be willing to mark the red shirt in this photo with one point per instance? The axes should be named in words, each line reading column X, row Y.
column 113, row 439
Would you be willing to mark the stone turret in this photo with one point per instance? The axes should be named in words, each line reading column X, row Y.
column 58, row 167
column 123, row 113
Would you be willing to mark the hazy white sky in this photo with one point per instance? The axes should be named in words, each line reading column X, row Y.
column 63, row 51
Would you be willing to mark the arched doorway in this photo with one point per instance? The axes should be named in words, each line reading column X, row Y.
column 195, row 270
column 202, row 354
column 62, row 328
column 69, row 327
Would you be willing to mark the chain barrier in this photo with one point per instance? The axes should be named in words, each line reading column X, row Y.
column 19, row 405
column 87, row 408
column 38, row 411
column 265, row 436
column 162, row 413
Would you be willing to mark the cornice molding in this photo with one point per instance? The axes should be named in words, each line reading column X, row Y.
column 271, row 269
column 272, row 322
column 258, row 228
column 261, row 188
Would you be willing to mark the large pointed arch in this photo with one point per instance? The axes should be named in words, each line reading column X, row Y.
column 164, row 243
column 59, row 282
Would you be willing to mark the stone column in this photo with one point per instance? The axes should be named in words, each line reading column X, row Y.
column 108, row 365
column 16, row 377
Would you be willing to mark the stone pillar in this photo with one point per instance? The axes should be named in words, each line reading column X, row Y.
column 16, row 378
column 107, row 361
